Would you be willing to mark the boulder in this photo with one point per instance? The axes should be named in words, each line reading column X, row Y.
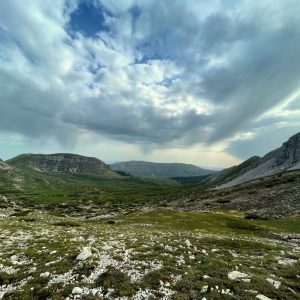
column 204, row 289
column 236, row 275
column 188, row 243
column 262, row 297
column 84, row 254
column 77, row 290
column 275, row 283
column 45, row 275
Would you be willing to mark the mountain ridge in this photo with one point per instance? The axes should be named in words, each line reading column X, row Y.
column 145, row 168
column 233, row 172
column 62, row 163
column 284, row 158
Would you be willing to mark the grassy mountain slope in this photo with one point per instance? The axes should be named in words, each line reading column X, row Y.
column 234, row 172
column 22, row 182
column 10, row 175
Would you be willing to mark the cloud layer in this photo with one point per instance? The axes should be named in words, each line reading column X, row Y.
column 151, row 73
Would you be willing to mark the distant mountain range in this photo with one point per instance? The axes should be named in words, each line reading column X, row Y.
column 167, row 170
column 34, row 168
column 284, row 158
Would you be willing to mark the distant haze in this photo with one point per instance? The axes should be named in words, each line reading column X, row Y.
column 142, row 168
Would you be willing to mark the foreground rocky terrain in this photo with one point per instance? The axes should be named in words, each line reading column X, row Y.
column 269, row 197
column 157, row 254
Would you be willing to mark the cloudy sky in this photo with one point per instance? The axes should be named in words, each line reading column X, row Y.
column 195, row 81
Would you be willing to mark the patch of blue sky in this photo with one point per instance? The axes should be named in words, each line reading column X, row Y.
column 88, row 19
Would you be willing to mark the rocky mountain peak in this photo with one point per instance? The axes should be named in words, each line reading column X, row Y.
column 290, row 151
column 284, row 158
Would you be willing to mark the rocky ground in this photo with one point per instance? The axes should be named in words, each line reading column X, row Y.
column 267, row 198
column 147, row 255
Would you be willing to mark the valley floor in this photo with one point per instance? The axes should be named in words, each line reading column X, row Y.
column 148, row 255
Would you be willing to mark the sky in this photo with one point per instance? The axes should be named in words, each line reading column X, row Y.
column 195, row 81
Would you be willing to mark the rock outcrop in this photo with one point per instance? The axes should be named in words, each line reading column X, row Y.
column 284, row 158
column 10, row 175
column 4, row 166
column 62, row 163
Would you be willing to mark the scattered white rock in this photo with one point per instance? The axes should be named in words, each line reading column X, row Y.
column 275, row 283
column 65, row 278
column 45, row 275
column 180, row 260
column 292, row 290
column 143, row 294
column 8, row 270
column 206, row 276
column 50, row 263
column 286, row 261
column 84, row 254
column 236, row 275
column 234, row 254
column 226, row 292
column 188, row 243
column 204, row 289
column 262, row 297
column 251, row 291
column 77, row 290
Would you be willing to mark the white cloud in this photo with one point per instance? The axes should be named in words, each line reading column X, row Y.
column 185, row 74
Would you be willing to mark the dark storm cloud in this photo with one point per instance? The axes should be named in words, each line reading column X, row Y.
column 266, row 140
column 147, row 71
column 144, row 124
column 266, row 74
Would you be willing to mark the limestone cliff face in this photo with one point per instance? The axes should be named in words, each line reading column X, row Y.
column 63, row 163
column 284, row 158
